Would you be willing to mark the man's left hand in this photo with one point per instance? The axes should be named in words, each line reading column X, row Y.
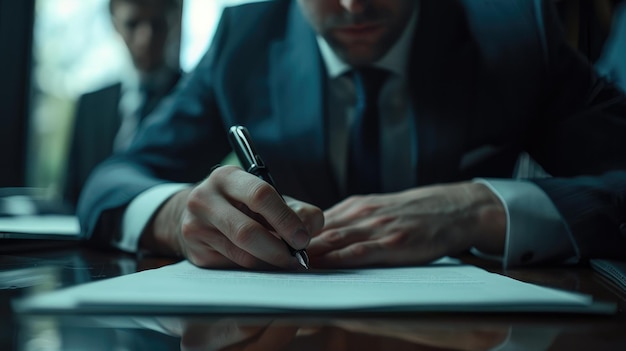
column 412, row 227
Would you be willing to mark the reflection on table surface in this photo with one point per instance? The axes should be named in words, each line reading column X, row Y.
column 35, row 272
column 169, row 333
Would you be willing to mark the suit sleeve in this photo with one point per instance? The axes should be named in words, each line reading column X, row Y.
column 581, row 141
column 183, row 138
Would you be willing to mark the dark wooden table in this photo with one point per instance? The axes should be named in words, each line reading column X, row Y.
column 33, row 272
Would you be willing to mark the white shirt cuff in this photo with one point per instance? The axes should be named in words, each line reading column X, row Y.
column 528, row 338
column 535, row 230
column 139, row 212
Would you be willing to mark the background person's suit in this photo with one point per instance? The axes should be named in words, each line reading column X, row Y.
column 96, row 125
column 488, row 79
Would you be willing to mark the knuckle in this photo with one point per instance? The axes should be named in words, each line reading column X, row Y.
column 360, row 250
column 223, row 171
column 363, row 211
column 354, row 198
column 188, row 231
column 380, row 221
column 317, row 215
column 196, row 202
column 334, row 236
column 398, row 239
column 317, row 222
column 283, row 217
column 312, row 216
column 260, row 194
column 243, row 234
column 349, row 203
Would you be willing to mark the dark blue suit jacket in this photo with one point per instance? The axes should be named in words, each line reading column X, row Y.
column 488, row 79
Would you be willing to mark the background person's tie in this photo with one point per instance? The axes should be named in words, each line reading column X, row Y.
column 149, row 95
column 132, row 117
column 364, row 143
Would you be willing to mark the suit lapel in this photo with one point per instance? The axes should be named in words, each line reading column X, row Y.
column 109, row 120
column 443, row 76
column 165, row 90
column 297, row 82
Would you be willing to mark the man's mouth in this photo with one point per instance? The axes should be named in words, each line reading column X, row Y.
column 359, row 31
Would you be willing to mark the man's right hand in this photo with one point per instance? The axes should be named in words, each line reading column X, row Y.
column 232, row 219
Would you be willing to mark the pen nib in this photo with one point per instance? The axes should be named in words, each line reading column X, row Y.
column 303, row 259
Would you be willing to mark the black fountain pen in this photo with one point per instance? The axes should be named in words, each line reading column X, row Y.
column 252, row 163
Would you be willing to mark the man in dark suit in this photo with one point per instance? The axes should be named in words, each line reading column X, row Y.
column 464, row 86
column 106, row 120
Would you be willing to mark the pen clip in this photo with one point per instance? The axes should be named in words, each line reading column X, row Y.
column 249, row 158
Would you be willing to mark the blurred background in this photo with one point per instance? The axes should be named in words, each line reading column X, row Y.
column 76, row 50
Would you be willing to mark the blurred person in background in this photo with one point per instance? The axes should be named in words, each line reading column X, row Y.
column 107, row 119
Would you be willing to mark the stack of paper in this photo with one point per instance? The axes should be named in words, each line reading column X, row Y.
column 182, row 288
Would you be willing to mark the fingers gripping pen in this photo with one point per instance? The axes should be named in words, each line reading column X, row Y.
column 252, row 162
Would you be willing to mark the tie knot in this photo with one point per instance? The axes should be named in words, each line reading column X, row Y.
column 369, row 81
column 147, row 90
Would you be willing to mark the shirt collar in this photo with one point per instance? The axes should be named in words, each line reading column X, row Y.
column 156, row 80
column 395, row 60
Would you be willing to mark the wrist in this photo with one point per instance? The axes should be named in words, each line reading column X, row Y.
column 489, row 216
column 162, row 234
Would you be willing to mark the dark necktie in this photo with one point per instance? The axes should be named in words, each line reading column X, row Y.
column 132, row 120
column 148, row 95
column 364, row 144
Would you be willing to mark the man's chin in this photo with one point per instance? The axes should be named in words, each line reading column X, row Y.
column 359, row 57
column 147, row 68
column 358, row 53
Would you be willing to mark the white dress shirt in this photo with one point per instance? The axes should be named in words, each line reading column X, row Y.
column 134, row 97
column 535, row 230
column 397, row 127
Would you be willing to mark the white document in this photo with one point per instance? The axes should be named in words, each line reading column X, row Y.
column 60, row 225
column 182, row 288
